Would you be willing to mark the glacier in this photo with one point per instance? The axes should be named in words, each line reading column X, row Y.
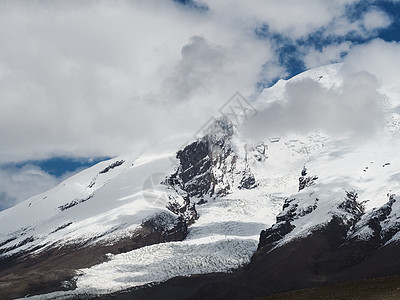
column 111, row 200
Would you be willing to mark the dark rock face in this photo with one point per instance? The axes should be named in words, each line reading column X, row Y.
column 195, row 173
column 306, row 181
column 271, row 235
column 337, row 251
column 196, row 176
column 208, row 167
column 197, row 162
column 381, row 225
column 16, row 246
column 75, row 202
column 112, row 166
column 167, row 226
column 283, row 225
column 290, row 212
column 319, row 259
column 53, row 269
column 351, row 206
column 187, row 211
column 105, row 170
column 248, row 180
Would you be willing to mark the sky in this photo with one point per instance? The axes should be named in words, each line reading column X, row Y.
column 81, row 81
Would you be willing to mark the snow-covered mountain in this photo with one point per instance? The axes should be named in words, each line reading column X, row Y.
column 199, row 209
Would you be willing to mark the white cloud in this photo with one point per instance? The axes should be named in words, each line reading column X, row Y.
column 328, row 54
column 100, row 78
column 356, row 109
column 364, row 27
column 375, row 19
column 88, row 79
column 96, row 77
column 292, row 18
column 379, row 58
column 297, row 19
column 17, row 184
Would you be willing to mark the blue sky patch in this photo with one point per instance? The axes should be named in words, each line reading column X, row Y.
column 289, row 51
column 58, row 166
column 191, row 4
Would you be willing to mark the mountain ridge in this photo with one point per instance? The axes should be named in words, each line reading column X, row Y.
column 223, row 202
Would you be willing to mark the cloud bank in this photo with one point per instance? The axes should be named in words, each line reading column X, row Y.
column 17, row 184
column 356, row 109
column 101, row 78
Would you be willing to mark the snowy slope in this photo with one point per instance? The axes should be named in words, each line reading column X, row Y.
column 223, row 238
column 106, row 198
column 241, row 188
column 370, row 172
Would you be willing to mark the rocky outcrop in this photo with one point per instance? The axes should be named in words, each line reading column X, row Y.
column 318, row 259
column 270, row 236
column 53, row 268
column 104, row 171
column 112, row 166
column 291, row 210
column 330, row 253
column 166, row 226
column 352, row 207
column 186, row 210
column 306, row 181
column 75, row 202
column 379, row 226
column 206, row 165
column 344, row 247
column 284, row 222
column 209, row 167
column 248, row 180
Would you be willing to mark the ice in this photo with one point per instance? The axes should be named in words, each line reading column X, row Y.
column 227, row 232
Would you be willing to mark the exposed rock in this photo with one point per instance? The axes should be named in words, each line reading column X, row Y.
column 306, row 181
column 379, row 226
column 112, row 166
column 194, row 174
column 61, row 227
column 248, row 180
column 75, row 202
column 275, row 140
column 16, row 246
column 351, row 206
column 209, row 166
column 315, row 260
column 167, row 226
column 283, row 226
column 7, row 241
column 186, row 210
column 350, row 212
column 53, row 268
column 273, row 234
column 258, row 151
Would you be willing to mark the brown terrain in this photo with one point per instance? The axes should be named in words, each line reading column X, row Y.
column 54, row 268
